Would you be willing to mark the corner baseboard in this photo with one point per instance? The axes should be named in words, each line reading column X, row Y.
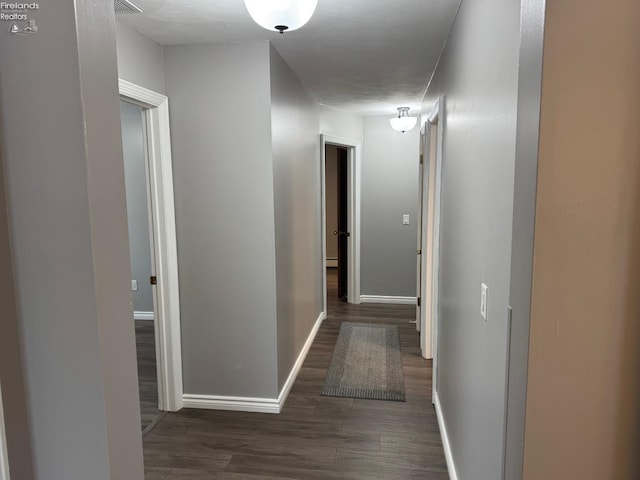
column 241, row 404
column 448, row 455
column 252, row 404
column 143, row 316
column 298, row 365
column 388, row 299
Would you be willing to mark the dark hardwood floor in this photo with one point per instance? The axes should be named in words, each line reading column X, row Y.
column 314, row 437
column 147, row 376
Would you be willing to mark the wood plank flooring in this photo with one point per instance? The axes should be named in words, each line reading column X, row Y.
column 314, row 437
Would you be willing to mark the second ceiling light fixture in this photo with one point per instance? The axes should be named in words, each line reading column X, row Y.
column 403, row 122
column 281, row 15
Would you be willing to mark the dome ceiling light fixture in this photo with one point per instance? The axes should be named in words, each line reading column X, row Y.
column 403, row 122
column 281, row 15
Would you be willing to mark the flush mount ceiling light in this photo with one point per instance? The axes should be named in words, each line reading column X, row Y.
column 403, row 122
column 281, row 15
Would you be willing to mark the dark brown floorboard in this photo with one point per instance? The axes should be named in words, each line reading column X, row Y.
column 314, row 437
column 147, row 376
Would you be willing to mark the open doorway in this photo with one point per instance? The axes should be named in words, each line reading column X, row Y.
column 142, row 256
column 151, row 212
column 340, row 183
column 337, row 228
column 429, row 235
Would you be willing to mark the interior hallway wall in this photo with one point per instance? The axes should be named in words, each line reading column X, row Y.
column 14, row 399
column 340, row 123
column 224, row 195
column 140, row 60
column 583, row 395
column 296, row 190
column 135, row 176
column 478, row 75
column 67, row 221
column 390, row 162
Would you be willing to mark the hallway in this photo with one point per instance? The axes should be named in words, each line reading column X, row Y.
column 314, row 437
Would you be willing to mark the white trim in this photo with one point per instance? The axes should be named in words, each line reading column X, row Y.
column 436, row 117
column 167, row 300
column 354, row 207
column 332, row 262
column 282, row 398
column 419, row 230
column 388, row 299
column 4, row 456
column 448, row 454
column 143, row 316
column 240, row 404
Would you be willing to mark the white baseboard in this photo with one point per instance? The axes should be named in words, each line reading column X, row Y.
column 298, row 365
column 453, row 475
column 143, row 316
column 332, row 262
column 241, row 404
column 249, row 404
column 388, row 299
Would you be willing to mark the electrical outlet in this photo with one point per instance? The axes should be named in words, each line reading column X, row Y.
column 483, row 300
column 134, row 285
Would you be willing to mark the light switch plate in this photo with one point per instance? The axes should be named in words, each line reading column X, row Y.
column 483, row 300
column 134, row 285
column 405, row 219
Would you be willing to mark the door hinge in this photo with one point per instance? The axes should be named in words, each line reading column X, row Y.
column 418, row 301
column 421, row 158
column 153, row 280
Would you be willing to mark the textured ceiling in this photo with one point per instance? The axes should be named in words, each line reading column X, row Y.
column 366, row 56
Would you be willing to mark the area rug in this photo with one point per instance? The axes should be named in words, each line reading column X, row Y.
column 366, row 363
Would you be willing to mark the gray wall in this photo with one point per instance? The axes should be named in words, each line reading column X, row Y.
column 67, row 217
column 137, row 204
column 296, row 188
column 11, row 368
column 331, row 199
column 389, row 190
column 340, row 123
column 223, row 180
column 478, row 73
column 140, row 60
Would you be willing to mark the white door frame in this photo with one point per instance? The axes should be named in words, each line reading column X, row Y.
column 354, row 160
column 167, row 301
column 429, row 333
column 420, row 234
column 4, row 456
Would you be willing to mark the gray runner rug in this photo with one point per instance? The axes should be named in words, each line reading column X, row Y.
column 366, row 363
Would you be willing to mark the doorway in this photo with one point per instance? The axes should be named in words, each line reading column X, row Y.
column 429, row 235
column 340, row 204
column 337, row 228
column 142, row 257
column 149, row 182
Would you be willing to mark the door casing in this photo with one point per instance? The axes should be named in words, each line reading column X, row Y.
column 354, row 148
column 164, row 244
column 432, row 158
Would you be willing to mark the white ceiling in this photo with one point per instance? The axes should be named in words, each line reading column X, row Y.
column 366, row 56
